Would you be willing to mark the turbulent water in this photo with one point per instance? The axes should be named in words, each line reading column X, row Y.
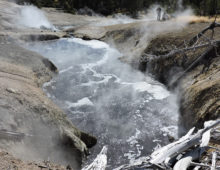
column 125, row 109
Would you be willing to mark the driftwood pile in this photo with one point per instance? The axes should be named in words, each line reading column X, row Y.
column 100, row 161
column 179, row 155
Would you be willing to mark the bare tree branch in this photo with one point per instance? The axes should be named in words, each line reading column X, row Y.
column 210, row 27
column 148, row 57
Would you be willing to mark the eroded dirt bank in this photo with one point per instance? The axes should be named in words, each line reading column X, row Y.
column 199, row 88
column 32, row 127
column 45, row 131
column 7, row 161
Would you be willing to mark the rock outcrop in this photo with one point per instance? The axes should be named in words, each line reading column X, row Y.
column 32, row 127
column 25, row 108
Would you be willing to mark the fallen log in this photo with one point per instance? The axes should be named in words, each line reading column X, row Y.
column 199, row 165
column 210, row 27
column 192, row 145
column 149, row 57
column 100, row 161
column 210, row 50
column 188, row 47
column 188, row 159
column 183, row 144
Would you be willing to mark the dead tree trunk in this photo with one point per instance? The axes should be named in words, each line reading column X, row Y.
column 191, row 146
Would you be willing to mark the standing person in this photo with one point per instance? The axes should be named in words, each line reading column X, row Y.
column 158, row 13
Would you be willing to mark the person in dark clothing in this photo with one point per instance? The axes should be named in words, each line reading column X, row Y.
column 159, row 13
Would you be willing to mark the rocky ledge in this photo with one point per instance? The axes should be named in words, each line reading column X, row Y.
column 41, row 130
column 32, row 127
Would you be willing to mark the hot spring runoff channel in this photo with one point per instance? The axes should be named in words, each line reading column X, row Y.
column 126, row 110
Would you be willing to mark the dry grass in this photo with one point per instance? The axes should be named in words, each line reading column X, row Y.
column 202, row 19
column 197, row 19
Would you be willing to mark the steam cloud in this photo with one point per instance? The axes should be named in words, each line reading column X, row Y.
column 31, row 16
column 122, row 107
column 180, row 4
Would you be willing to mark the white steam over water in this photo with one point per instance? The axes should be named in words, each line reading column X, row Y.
column 116, row 19
column 31, row 16
column 146, row 16
column 180, row 4
column 124, row 109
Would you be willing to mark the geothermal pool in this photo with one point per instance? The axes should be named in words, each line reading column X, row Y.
column 126, row 110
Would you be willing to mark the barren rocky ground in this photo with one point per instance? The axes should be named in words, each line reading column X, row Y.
column 7, row 161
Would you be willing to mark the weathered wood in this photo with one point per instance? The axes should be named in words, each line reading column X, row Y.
column 141, row 162
column 191, row 146
column 100, row 161
column 160, row 155
column 149, row 57
column 210, row 27
column 200, row 165
column 214, row 155
column 188, row 158
column 183, row 163
column 181, row 145
column 195, row 63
